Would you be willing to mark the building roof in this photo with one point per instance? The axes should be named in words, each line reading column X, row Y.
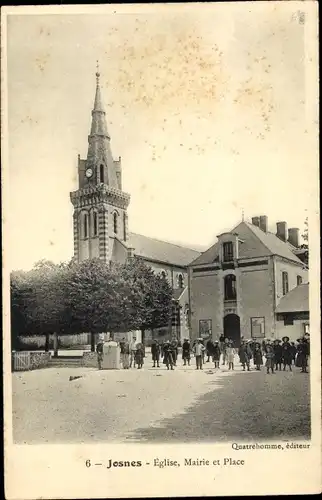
column 297, row 300
column 254, row 243
column 161, row 251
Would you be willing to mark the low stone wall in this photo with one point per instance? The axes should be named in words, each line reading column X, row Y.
column 90, row 359
column 39, row 359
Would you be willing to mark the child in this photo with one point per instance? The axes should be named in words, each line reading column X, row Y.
column 216, row 354
column 139, row 355
column 258, row 358
column 230, row 353
column 269, row 358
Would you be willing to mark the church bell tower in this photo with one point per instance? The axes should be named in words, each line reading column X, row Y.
column 100, row 205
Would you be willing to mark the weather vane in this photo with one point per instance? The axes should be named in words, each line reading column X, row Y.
column 97, row 72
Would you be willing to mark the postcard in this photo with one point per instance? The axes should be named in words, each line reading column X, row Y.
column 161, row 250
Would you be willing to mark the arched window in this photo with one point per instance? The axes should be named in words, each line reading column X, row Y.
column 230, row 287
column 124, row 226
column 180, row 281
column 102, row 173
column 85, row 226
column 95, row 225
column 285, row 282
column 299, row 280
column 115, row 222
column 163, row 274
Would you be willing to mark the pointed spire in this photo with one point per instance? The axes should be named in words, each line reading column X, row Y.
column 99, row 126
column 98, row 105
column 99, row 155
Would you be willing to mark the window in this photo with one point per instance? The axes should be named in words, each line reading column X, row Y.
column 285, row 282
column 306, row 328
column 180, row 281
column 230, row 287
column 85, row 225
column 124, row 226
column 299, row 280
column 228, row 251
column 94, row 223
column 102, row 173
column 163, row 274
column 115, row 222
column 288, row 320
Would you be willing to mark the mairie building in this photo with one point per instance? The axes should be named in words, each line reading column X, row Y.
column 236, row 285
column 101, row 225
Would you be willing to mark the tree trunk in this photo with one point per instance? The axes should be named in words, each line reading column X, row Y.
column 47, row 342
column 143, row 340
column 55, row 344
column 92, row 342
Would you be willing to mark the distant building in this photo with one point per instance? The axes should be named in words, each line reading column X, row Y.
column 237, row 284
column 100, row 220
column 292, row 313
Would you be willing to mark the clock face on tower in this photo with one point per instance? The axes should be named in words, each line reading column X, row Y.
column 89, row 173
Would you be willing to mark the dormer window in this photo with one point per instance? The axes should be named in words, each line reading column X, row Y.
column 228, row 251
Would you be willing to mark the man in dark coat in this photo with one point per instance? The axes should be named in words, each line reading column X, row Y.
column 168, row 353
column 186, row 352
column 244, row 355
column 155, row 351
column 302, row 354
column 278, row 354
column 294, row 352
column 286, row 353
column 258, row 357
column 209, row 349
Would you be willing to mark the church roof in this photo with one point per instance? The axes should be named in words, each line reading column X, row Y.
column 297, row 300
column 161, row 251
column 254, row 243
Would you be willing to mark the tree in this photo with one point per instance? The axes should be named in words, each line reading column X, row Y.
column 97, row 298
column 38, row 304
column 150, row 297
column 305, row 234
column 305, row 246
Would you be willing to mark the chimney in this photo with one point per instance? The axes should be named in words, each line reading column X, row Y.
column 263, row 223
column 294, row 236
column 281, row 230
column 255, row 221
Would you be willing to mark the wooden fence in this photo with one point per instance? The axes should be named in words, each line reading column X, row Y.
column 21, row 361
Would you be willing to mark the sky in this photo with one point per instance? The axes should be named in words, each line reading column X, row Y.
column 210, row 110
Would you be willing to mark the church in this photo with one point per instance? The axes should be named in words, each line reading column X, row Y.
column 101, row 226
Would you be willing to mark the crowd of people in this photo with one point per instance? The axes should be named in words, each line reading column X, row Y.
column 278, row 354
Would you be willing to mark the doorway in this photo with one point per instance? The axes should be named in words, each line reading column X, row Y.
column 232, row 328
